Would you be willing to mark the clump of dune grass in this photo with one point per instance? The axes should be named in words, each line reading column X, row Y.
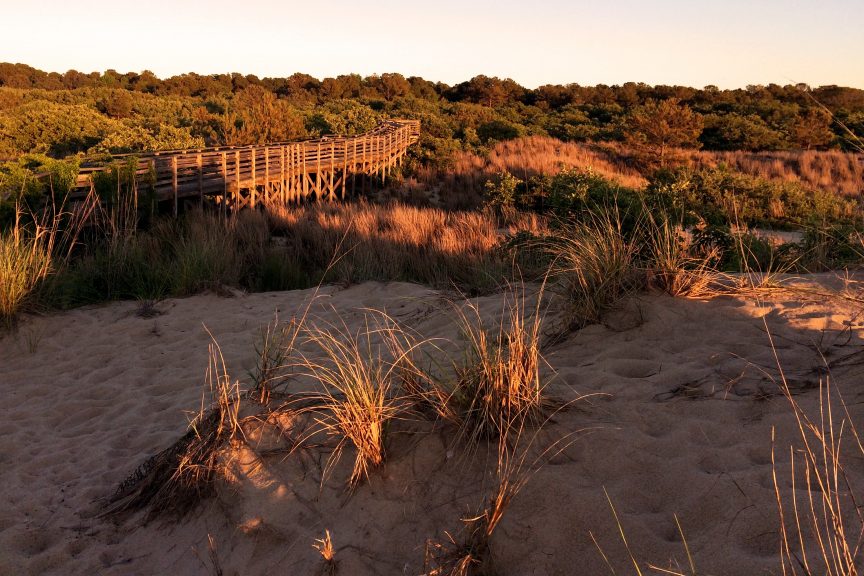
column 178, row 478
column 359, row 394
column 25, row 261
column 469, row 553
column 273, row 351
column 498, row 386
column 823, row 532
column 676, row 267
column 35, row 247
column 595, row 265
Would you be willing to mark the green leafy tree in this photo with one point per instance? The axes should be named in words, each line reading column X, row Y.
column 657, row 127
column 735, row 132
column 812, row 129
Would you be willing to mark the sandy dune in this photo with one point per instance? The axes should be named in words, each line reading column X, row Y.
column 680, row 423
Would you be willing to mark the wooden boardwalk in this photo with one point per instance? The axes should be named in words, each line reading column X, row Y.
column 284, row 172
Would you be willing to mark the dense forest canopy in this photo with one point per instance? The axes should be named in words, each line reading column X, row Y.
column 74, row 112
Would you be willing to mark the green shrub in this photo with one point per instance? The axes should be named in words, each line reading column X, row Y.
column 723, row 196
column 33, row 180
column 503, row 190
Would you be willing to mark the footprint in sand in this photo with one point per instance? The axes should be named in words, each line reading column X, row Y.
column 633, row 368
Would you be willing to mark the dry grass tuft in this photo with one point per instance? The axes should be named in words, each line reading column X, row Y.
column 36, row 246
column 595, row 265
column 824, row 531
column 176, row 479
column 357, row 372
column 471, row 554
column 675, row 266
column 328, row 554
column 273, row 351
column 25, row 261
column 498, row 386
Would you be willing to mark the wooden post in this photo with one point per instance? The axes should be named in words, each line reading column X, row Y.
column 344, row 167
column 174, row 182
column 365, row 140
column 237, row 179
column 266, row 173
column 331, row 193
column 200, row 179
column 318, row 173
column 381, row 158
column 282, row 174
column 224, row 184
column 353, row 168
column 291, row 185
column 305, row 175
column 253, row 189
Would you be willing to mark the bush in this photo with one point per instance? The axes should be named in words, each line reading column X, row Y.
column 503, row 190
column 722, row 196
column 33, row 180
column 581, row 194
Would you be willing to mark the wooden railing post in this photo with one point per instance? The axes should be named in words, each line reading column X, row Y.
column 254, row 189
column 174, row 183
column 237, row 179
column 282, row 174
column 200, row 178
column 224, row 184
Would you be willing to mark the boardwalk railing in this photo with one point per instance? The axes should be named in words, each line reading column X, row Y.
column 280, row 172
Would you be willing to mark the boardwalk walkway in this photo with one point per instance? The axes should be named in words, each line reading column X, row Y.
column 283, row 172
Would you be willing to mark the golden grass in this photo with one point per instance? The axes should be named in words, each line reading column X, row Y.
column 839, row 172
column 36, row 246
column 470, row 553
column 359, row 395
column 823, row 532
column 461, row 182
column 328, row 554
column 595, row 266
column 675, row 266
column 398, row 242
column 25, row 261
column 498, row 386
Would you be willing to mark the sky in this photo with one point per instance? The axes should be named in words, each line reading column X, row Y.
column 727, row 43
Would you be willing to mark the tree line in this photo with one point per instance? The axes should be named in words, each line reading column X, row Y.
column 110, row 112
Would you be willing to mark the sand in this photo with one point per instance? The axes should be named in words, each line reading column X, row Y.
column 678, row 422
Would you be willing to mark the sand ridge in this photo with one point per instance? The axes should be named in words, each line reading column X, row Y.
column 679, row 422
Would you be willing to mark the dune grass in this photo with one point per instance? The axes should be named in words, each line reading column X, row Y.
column 498, row 385
column 177, row 479
column 595, row 265
column 358, row 375
column 823, row 532
column 34, row 248
column 25, row 261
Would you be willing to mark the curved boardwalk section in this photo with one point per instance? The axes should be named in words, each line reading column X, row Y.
column 282, row 172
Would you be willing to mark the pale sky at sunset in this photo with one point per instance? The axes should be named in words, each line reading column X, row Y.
column 730, row 43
